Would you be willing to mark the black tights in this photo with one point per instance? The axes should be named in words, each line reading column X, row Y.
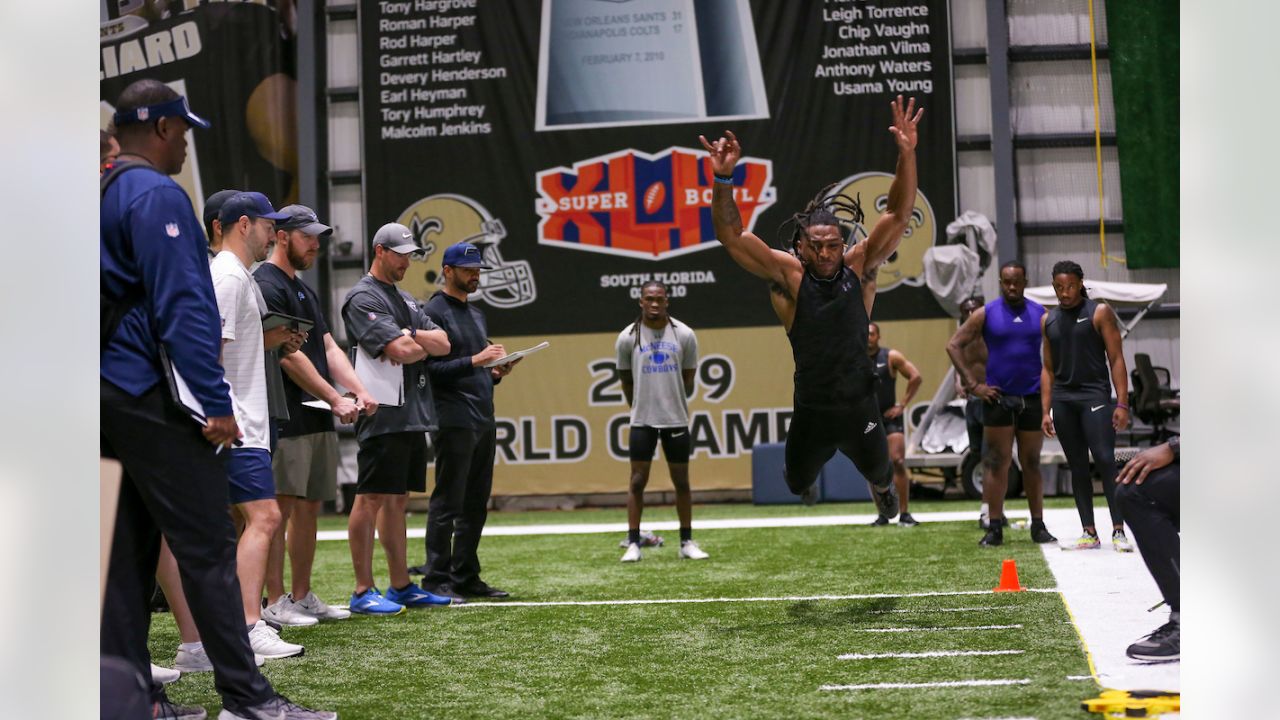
column 1084, row 427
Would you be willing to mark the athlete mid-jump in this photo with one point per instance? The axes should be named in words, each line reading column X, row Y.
column 816, row 291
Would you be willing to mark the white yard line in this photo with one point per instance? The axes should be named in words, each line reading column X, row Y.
column 669, row 525
column 936, row 629
column 914, row 686
column 931, row 654
column 786, row 598
column 1107, row 594
column 980, row 608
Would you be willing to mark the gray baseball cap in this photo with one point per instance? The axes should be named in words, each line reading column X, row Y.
column 303, row 218
column 396, row 238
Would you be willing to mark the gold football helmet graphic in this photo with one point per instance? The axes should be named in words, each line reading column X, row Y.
column 438, row 221
column 907, row 264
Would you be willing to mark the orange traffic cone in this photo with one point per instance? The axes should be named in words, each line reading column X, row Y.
column 1009, row 578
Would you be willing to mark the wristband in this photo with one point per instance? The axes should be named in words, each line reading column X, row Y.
column 1122, row 406
column 724, row 179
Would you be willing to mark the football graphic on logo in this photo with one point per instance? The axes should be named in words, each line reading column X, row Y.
column 653, row 197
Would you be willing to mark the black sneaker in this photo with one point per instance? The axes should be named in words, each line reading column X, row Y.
column 277, row 708
column 886, row 502
column 480, row 588
column 993, row 538
column 1040, row 533
column 907, row 521
column 162, row 709
column 810, row 495
column 1163, row 645
column 880, row 521
column 447, row 590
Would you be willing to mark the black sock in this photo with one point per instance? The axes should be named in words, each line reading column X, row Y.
column 633, row 537
column 686, row 534
column 1037, row 522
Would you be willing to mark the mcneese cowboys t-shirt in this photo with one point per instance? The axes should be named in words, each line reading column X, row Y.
column 656, row 363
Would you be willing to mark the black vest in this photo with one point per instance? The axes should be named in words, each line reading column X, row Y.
column 887, row 389
column 829, row 343
column 1080, row 370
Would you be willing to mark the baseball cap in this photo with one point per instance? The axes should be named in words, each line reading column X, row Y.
column 396, row 238
column 176, row 107
column 304, row 219
column 253, row 204
column 213, row 206
column 464, row 254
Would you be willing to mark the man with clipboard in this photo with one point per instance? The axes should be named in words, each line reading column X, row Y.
column 305, row 462
column 467, row 438
column 389, row 326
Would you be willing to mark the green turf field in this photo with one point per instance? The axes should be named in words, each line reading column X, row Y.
column 749, row 659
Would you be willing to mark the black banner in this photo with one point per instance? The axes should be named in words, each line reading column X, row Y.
column 562, row 136
column 235, row 62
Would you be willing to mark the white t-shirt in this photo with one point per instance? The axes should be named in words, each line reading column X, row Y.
column 241, row 307
column 656, row 364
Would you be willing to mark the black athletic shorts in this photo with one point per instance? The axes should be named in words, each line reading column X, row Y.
column 894, row 425
column 1021, row 411
column 858, row 432
column 644, row 441
column 392, row 464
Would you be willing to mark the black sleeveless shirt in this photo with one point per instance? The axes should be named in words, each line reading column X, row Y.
column 887, row 387
column 829, row 343
column 1080, row 370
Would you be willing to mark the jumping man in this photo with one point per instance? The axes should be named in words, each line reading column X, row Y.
column 816, row 291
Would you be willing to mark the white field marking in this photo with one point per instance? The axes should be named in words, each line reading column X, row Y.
column 930, row 654
column 669, row 525
column 689, row 601
column 938, row 629
column 1000, row 718
column 913, row 686
column 1080, row 677
column 934, row 610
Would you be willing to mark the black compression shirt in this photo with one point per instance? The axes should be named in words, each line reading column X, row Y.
column 829, row 343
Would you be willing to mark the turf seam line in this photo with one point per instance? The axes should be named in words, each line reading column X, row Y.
column 938, row 629
column 918, row 686
column 929, row 654
column 680, row 601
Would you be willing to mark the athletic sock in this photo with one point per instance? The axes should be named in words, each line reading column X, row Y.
column 633, row 536
column 686, row 534
column 191, row 647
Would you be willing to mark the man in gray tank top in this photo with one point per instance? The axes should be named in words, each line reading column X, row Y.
column 1082, row 346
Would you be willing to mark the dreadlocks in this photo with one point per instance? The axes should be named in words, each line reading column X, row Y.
column 1070, row 267
column 635, row 327
column 836, row 210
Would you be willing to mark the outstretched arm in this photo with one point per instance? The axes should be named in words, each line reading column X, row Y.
column 744, row 247
column 887, row 232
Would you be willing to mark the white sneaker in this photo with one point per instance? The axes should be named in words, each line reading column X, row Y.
column 198, row 661
column 266, row 642
column 286, row 612
column 1120, row 542
column 632, row 554
column 314, row 607
column 164, row 676
column 690, row 551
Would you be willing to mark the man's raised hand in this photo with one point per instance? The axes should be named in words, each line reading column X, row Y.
column 904, row 124
column 725, row 152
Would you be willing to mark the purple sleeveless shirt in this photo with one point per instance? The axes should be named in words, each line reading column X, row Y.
column 1013, row 346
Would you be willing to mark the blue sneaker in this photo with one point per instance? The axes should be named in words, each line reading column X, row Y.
column 413, row 596
column 371, row 602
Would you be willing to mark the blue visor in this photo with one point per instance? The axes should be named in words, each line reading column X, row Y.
column 176, row 107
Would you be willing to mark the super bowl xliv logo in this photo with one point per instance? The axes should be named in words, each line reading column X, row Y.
column 644, row 206
column 906, row 266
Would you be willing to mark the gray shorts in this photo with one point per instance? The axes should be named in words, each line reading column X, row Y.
column 306, row 466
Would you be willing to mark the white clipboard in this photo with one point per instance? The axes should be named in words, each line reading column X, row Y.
column 382, row 379
column 512, row 357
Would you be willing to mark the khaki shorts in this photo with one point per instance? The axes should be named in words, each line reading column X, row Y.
column 306, row 466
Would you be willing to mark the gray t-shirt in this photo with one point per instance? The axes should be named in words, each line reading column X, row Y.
column 656, row 363
column 374, row 313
